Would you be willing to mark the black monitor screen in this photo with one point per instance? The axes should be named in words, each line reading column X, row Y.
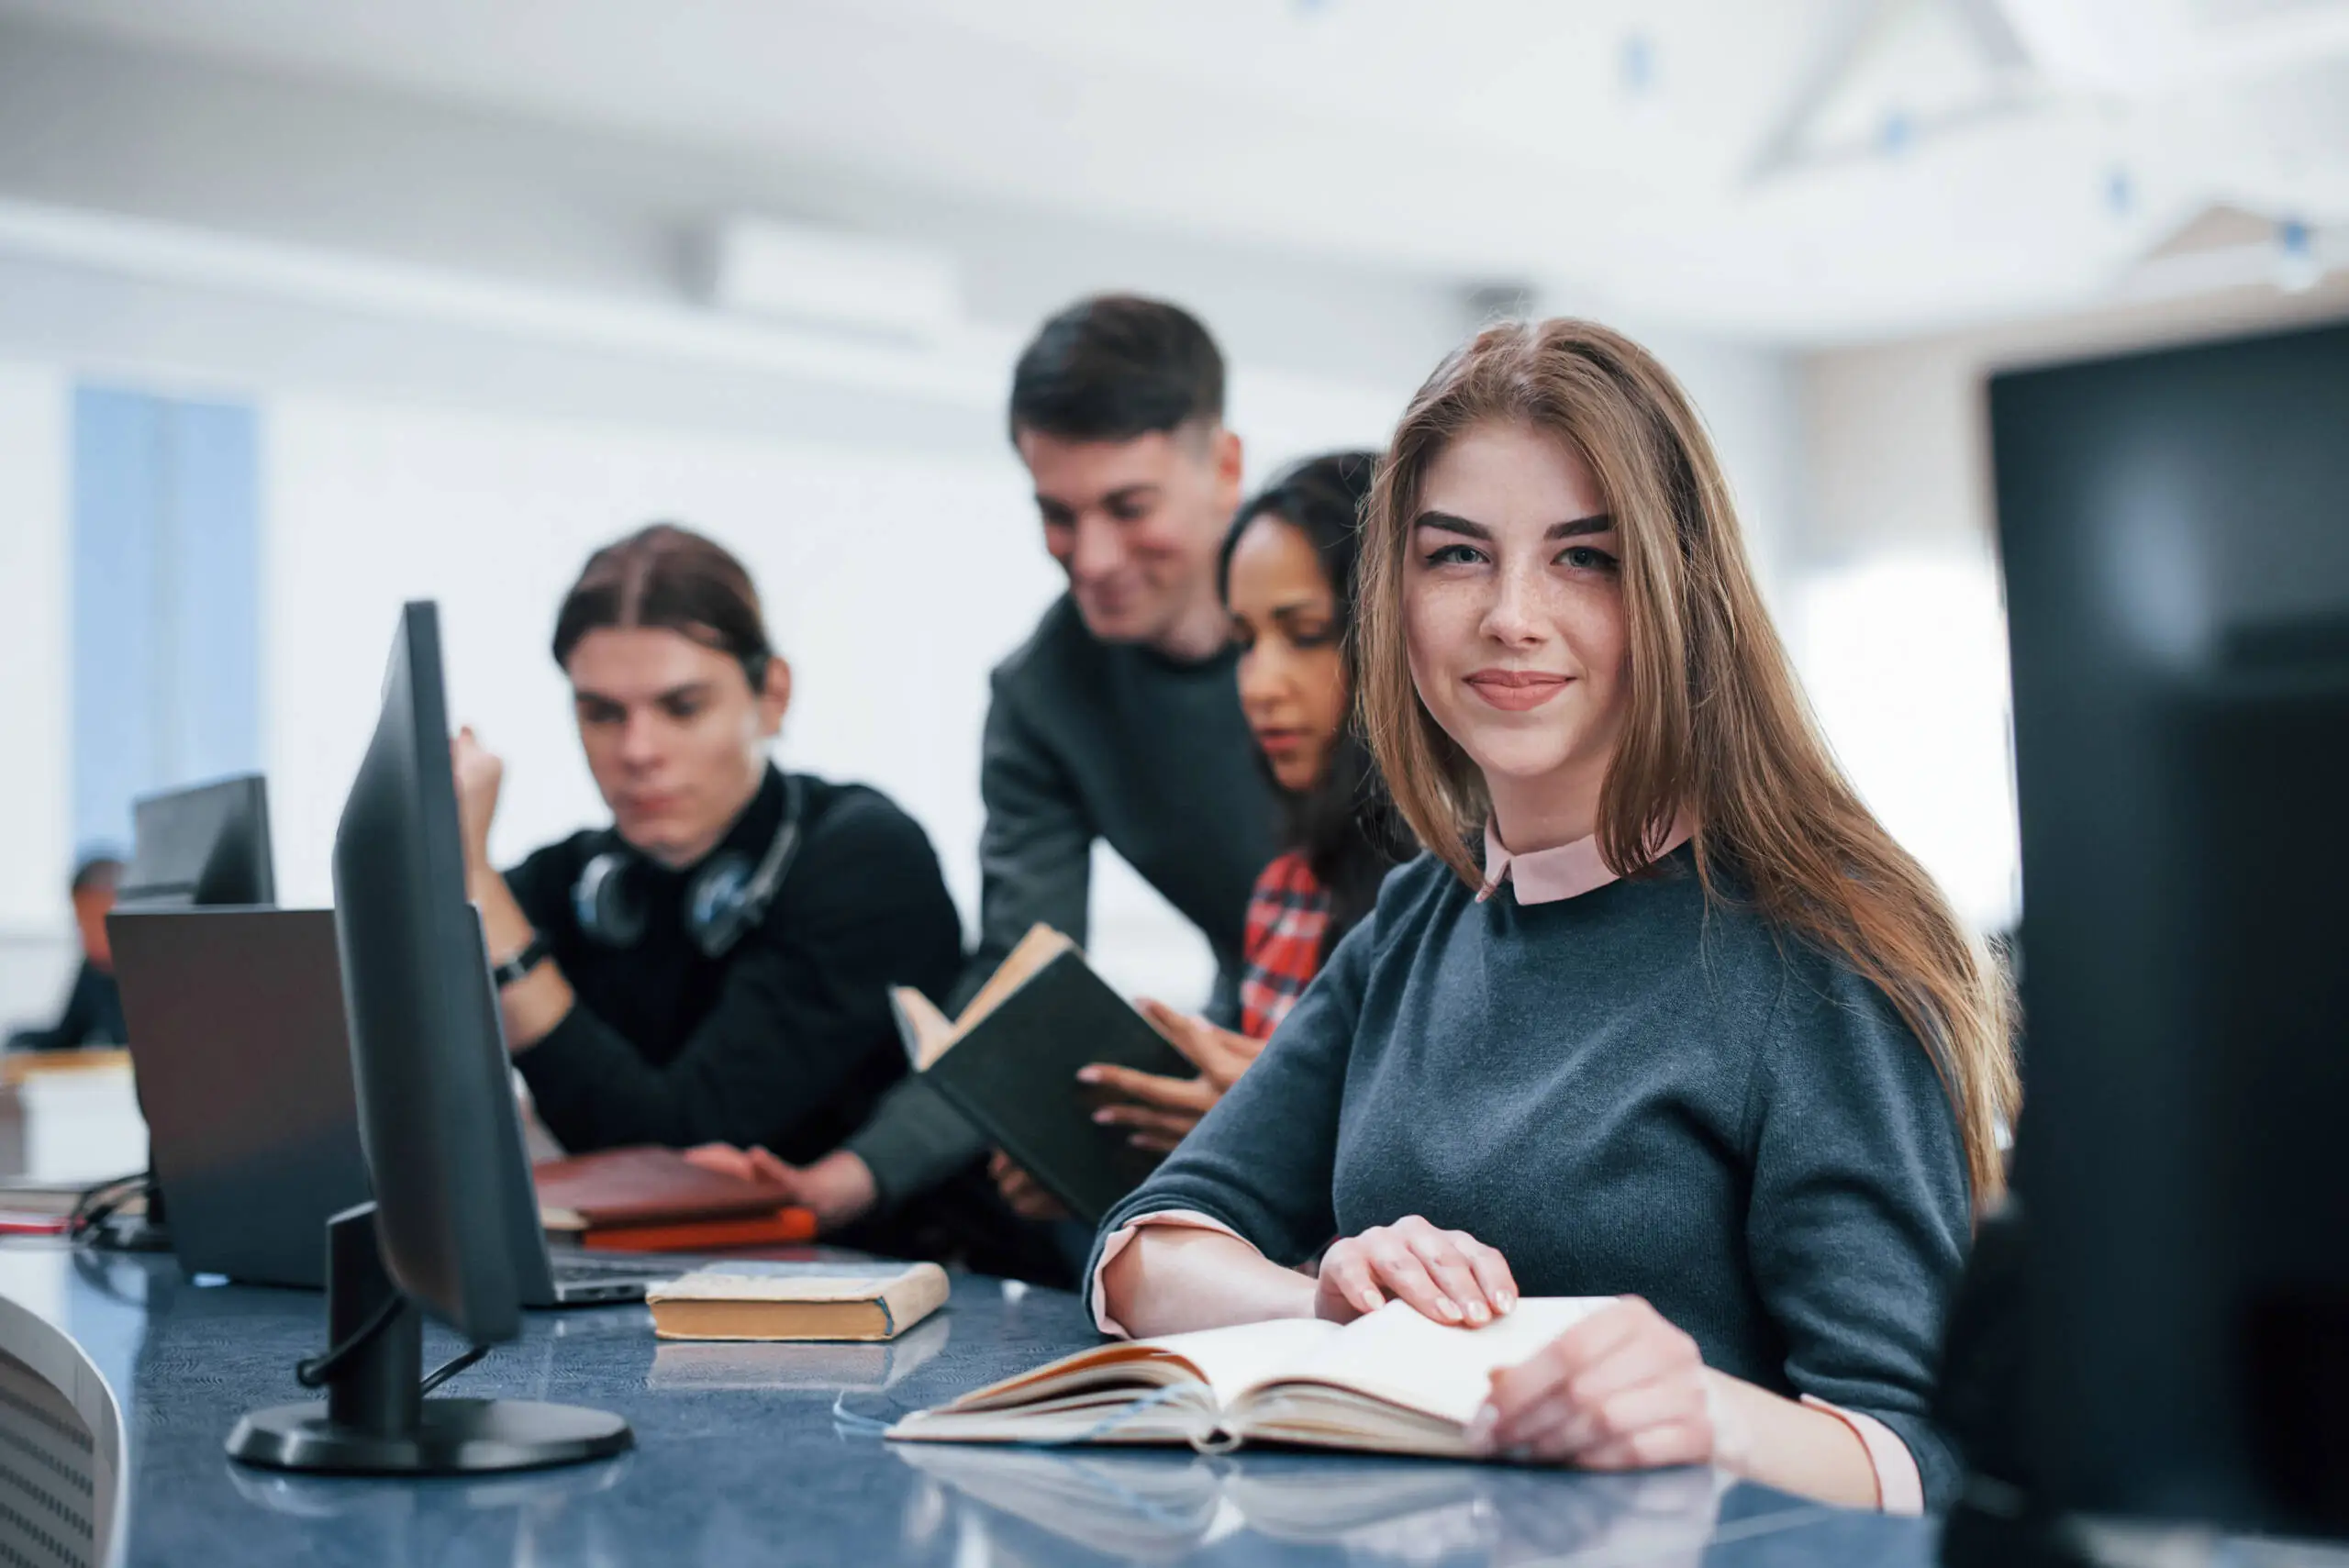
column 427, row 1063
column 2175, row 528
column 206, row 845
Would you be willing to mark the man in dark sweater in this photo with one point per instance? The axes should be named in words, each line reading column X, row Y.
column 713, row 968
column 1120, row 720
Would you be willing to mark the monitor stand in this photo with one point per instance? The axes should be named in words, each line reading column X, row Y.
column 376, row 1419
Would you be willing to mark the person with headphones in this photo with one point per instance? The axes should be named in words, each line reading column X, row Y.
column 714, row 965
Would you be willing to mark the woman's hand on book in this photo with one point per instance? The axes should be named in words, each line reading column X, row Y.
column 1159, row 1112
column 1624, row 1389
column 1448, row 1275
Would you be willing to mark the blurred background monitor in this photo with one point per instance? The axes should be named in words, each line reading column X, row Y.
column 2177, row 552
column 206, row 845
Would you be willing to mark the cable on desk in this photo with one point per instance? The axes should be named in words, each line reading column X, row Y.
column 99, row 1204
column 313, row 1371
column 451, row 1367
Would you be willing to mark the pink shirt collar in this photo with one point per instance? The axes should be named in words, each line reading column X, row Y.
column 1568, row 870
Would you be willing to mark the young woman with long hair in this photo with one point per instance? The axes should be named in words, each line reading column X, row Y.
column 1690, row 1030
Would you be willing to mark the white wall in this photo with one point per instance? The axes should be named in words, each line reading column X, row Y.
column 1898, row 610
column 36, row 625
column 36, row 629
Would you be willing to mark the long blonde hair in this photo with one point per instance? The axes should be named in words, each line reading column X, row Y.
column 1716, row 725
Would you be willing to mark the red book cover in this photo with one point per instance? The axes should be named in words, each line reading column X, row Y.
column 645, row 1186
column 783, row 1227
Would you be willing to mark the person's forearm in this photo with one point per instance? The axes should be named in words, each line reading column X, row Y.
column 1774, row 1441
column 533, row 1005
column 1171, row 1279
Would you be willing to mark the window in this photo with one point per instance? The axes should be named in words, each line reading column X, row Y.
column 166, row 586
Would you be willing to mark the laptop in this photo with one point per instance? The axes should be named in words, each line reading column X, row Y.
column 243, row 1068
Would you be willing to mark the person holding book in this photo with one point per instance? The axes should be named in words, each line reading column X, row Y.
column 713, row 965
column 1118, row 719
column 1663, row 1013
column 1287, row 578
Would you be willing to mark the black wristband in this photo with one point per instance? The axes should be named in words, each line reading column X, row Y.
column 534, row 953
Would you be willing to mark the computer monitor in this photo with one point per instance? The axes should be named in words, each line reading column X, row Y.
column 429, row 1071
column 2176, row 557
column 203, row 845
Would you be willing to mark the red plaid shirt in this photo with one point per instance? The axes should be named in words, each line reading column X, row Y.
column 1287, row 914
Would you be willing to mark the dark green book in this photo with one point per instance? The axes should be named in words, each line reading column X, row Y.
column 1009, row 1064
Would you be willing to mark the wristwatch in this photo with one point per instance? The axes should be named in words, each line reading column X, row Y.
column 534, row 953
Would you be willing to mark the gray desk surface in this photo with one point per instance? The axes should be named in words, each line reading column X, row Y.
column 739, row 1458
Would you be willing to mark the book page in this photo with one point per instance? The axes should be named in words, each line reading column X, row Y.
column 1232, row 1360
column 1398, row 1355
column 1038, row 948
column 919, row 1015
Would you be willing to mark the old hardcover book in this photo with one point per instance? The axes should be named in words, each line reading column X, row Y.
column 1009, row 1063
column 797, row 1301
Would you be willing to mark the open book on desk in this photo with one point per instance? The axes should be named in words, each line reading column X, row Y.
column 1395, row 1382
column 1009, row 1064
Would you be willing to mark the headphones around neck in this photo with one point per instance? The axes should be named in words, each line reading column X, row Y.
column 724, row 898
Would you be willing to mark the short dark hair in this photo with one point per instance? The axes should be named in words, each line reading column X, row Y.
column 673, row 578
column 1115, row 367
column 102, row 869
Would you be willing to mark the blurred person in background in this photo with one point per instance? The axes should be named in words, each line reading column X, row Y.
column 713, row 967
column 1118, row 719
column 1287, row 578
column 93, row 1013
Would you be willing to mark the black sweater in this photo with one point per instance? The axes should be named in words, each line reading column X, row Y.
column 1626, row 1093
column 93, row 1016
column 786, row 1040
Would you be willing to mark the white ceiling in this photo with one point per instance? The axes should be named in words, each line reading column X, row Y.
column 1790, row 167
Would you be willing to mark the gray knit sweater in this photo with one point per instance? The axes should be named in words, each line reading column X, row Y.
column 1626, row 1093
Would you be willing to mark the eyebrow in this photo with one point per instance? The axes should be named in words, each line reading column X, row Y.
column 1444, row 522
column 1125, row 493
column 674, row 694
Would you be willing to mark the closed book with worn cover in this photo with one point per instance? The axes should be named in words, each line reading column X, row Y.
column 625, row 1187
column 797, row 1301
column 1009, row 1063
